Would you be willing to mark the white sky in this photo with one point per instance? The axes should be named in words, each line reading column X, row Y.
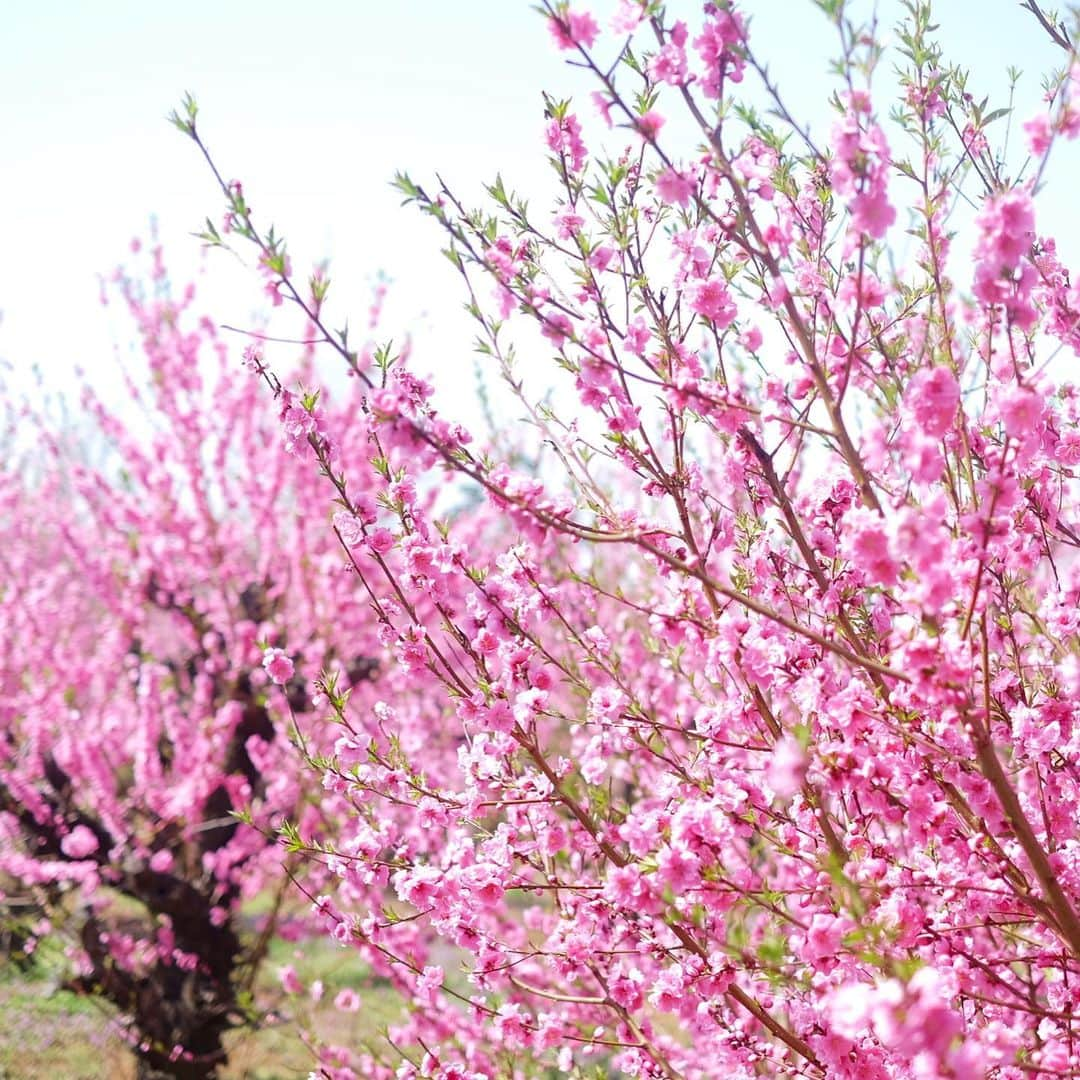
column 314, row 107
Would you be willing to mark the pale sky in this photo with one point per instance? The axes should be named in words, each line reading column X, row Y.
column 315, row 107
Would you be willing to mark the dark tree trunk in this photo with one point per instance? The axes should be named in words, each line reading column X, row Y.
column 171, row 1006
column 167, row 1005
column 206, row 1048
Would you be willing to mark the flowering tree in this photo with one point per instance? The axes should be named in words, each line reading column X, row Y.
column 151, row 602
column 764, row 681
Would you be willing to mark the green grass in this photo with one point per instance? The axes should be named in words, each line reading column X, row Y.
column 51, row 1033
column 48, row 1033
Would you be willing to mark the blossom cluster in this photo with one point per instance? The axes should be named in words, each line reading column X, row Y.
column 167, row 612
column 736, row 732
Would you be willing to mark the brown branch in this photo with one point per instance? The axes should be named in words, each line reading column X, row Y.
column 1058, row 34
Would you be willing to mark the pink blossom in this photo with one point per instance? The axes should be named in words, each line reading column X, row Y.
column 628, row 16
column 601, row 258
column 347, row 1000
column 739, row 681
column 824, row 936
column 933, row 395
column 161, row 861
column 79, row 843
column 1006, row 226
column 674, row 187
column 1021, row 411
column 650, row 123
column 574, row 28
column 669, row 64
column 568, row 225
column 751, row 339
column 787, row 766
column 860, row 172
column 712, row 300
column 380, row 541
column 290, row 981
column 253, row 357
column 429, row 982
column 1039, row 134
column 278, row 665
column 868, row 546
column 603, row 106
column 718, row 49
